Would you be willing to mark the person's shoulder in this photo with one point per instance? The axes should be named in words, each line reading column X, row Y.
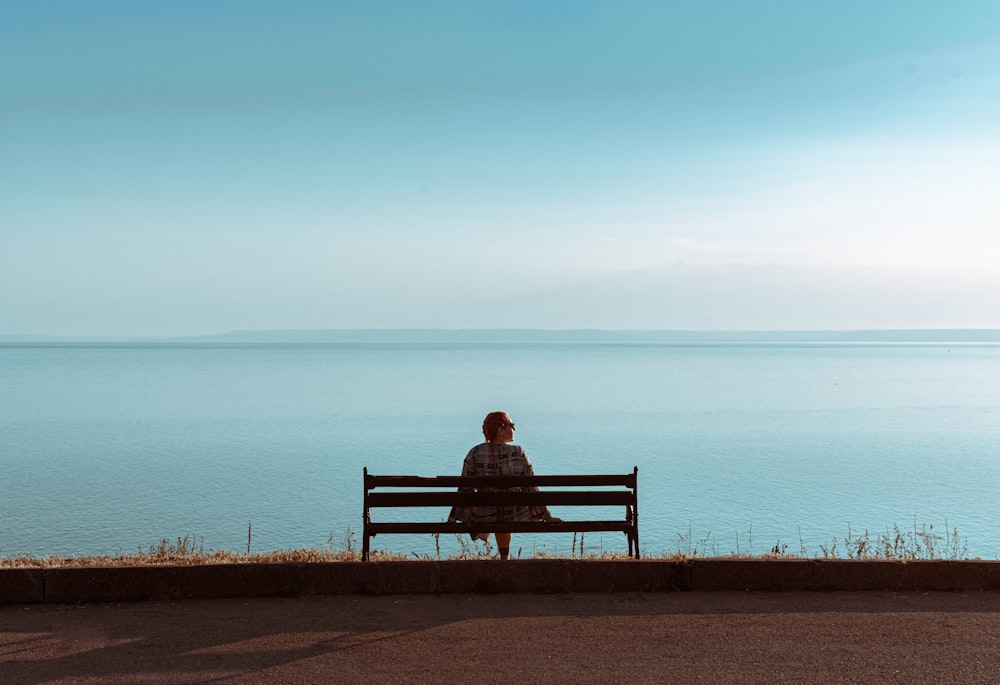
column 511, row 448
column 476, row 450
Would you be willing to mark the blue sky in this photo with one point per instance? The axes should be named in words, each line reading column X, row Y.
column 196, row 167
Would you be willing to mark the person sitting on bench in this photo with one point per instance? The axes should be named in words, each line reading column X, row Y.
column 498, row 457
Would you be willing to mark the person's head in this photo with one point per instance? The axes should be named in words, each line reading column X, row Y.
column 497, row 427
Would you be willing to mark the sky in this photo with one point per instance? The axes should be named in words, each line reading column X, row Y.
column 195, row 167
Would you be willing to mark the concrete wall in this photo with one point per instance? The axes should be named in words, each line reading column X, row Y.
column 124, row 584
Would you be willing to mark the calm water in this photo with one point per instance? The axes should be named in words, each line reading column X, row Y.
column 739, row 446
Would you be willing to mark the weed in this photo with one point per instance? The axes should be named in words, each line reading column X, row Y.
column 689, row 549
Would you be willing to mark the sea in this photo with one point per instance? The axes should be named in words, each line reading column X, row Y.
column 797, row 443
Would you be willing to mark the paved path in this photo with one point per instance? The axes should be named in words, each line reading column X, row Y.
column 794, row 637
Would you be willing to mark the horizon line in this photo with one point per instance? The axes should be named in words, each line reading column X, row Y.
column 357, row 334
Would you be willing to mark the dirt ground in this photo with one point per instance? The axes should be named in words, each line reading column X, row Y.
column 793, row 637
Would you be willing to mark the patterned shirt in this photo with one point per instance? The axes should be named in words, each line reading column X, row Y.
column 505, row 460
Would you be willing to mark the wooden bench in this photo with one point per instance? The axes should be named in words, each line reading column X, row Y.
column 417, row 491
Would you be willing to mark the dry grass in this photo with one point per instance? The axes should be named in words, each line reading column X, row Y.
column 186, row 551
column 894, row 544
column 922, row 543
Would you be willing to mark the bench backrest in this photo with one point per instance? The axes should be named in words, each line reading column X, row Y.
column 442, row 491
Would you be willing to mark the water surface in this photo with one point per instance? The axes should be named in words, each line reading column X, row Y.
column 740, row 446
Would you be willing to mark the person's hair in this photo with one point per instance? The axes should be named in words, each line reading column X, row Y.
column 492, row 424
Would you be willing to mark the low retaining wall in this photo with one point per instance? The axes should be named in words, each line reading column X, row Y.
column 126, row 584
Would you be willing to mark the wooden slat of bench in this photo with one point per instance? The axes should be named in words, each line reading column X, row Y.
column 589, row 480
column 502, row 498
column 502, row 527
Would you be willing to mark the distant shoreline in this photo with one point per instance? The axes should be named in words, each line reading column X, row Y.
column 527, row 335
